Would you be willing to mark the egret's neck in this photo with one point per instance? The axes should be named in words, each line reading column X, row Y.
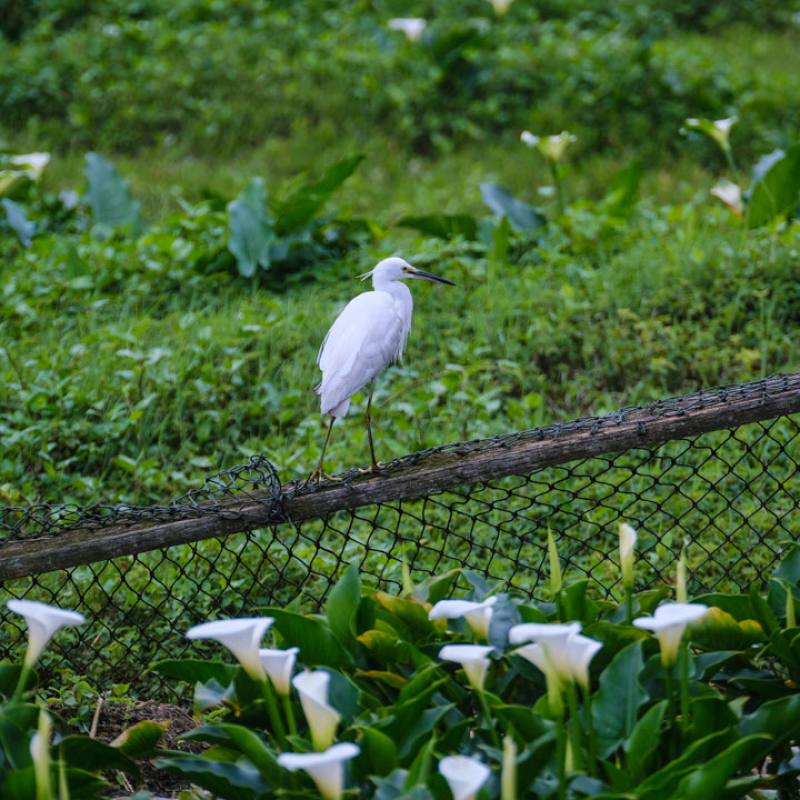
column 397, row 289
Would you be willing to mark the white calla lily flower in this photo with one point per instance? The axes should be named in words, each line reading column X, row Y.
column 668, row 624
column 464, row 775
column 411, row 27
column 501, row 6
column 560, row 648
column 627, row 545
column 322, row 718
column 32, row 163
column 279, row 664
column 325, row 769
column 241, row 636
column 477, row 615
column 579, row 652
column 529, row 139
column 731, row 194
column 473, row 659
column 43, row 621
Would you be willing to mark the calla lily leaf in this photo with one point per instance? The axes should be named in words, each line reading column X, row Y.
column 318, row 646
column 141, row 739
column 240, row 781
column 718, row 630
column 250, row 229
column 619, row 699
column 411, row 613
column 342, row 606
column 300, row 207
column 521, row 215
column 621, row 198
column 111, row 200
column 643, row 742
column 777, row 191
column 443, row 226
column 379, row 751
column 95, row 756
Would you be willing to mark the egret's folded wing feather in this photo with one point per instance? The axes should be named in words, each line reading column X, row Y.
column 365, row 338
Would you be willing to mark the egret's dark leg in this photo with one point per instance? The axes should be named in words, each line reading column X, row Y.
column 368, row 417
column 319, row 473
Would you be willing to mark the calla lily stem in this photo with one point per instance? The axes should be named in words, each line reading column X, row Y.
column 290, row 718
column 561, row 757
column 669, row 684
column 683, row 666
column 487, row 715
column 557, row 183
column 24, row 672
column 271, row 703
column 575, row 726
column 591, row 734
column 629, row 604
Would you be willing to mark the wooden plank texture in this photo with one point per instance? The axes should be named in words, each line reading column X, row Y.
column 417, row 475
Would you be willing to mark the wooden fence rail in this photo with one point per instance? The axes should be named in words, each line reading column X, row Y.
column 418, row 475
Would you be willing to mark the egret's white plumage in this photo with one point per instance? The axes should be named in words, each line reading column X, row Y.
column 369, row 334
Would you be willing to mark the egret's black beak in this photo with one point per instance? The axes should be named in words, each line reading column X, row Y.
column 427, row 276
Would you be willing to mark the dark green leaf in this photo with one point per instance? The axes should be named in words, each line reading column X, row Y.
column 618, row 699
column 379, row 751
column 443, row 226
column 643, row 742
column 318, row 646
column 94, row 755
column 342, row 606
column 112, row 204
column 624, row 192
column 522, row 216
column 141, row 739
column 777, row 191
column 229, row 781
column 303, row 205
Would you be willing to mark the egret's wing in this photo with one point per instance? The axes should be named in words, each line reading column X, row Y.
column 365, row 338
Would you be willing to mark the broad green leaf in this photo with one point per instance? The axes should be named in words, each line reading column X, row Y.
column 708, row 779
column 112, row 204
column 141, row 739
column 618, row 700
column 779, row 718
column 94, row 755
column 379, row 751
column 443, row 226
column 718, row 630
column 533, row 759
column 229, row 781
column 777, row 191
column 244, row 741
column 195, row 670
column 9, row 677
column 302, row 206
column 342, row 605
column 18, row 221
column 504, row 616
column 737, row 605
column 250, row 229
column 437, row 587
column 318, row 646
column 423, row 765
column 643, row 742
column 420, row 729
column 709, row 714
column 789, row 567
column 521, row 215
column 411, row 613
column 621, row 198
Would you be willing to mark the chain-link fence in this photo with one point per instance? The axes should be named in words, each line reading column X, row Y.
column 716, row 469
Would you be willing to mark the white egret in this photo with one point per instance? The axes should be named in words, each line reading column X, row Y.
column 366, row 337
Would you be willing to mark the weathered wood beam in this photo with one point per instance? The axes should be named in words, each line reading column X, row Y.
column 417, row 475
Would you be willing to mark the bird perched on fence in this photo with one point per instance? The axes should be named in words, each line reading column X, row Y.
column 366, row 337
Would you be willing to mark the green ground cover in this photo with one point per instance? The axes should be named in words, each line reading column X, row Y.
column 133, row 365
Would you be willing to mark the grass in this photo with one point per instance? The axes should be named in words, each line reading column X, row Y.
column 130, row 380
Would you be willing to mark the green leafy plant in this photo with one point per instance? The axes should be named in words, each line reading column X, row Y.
column 558, row 699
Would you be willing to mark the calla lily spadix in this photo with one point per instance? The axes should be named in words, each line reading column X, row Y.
column 412, row 27
column 278, row 664
column 325, row 769
column 241, row 636
column 668, row 624
column 322, row 718
column 464, row 775
column 473, row 659
column 477, row 615
column 43, row 621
